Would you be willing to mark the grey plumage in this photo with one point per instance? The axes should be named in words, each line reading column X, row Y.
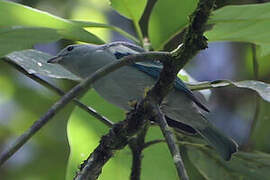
column 128, row 83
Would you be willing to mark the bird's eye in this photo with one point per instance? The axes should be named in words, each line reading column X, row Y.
column 70, row 48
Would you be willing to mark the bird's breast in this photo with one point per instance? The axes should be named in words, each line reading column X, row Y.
column 124, row 85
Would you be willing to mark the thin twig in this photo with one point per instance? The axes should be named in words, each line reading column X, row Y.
column 153, row 142
column 80, row 88
column 137, row 145
column 171, row 141
column 144, row 23
column 58, row 91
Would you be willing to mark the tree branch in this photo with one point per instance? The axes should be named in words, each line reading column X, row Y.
column 137, row 145
column 119, row 135
column 78, row 89
column 194, row 40
column 121, row 132
column 58, row 91
column 170, row 139
column 116, row 139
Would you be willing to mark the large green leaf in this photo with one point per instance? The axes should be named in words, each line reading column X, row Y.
column 132, row 9
column 245, row 23
column 169, row 18
column 35, row 62
column 101, row 25
column 254, row 165
column 18, row 38
column 208, row 165
column 263, row 89
column 13, row 14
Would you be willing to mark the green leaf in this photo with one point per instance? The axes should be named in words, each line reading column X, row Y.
column 18, row 38
column 192, row 171
column 252, row 165
column 263, row 89
column 208, row 164
column 13, row 14
column 245, row 23
column 35, row 62
column 84, row 133
column 132, row 9
column 86, row 24
column 169, row 18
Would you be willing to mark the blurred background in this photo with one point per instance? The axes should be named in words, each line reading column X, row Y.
column 46, row 156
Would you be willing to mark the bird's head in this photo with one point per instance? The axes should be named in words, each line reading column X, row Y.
column 76, row 58
column 85, row 59
column 72, row 53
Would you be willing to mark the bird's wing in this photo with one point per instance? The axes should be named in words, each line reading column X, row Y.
column 153, row 69
column 154, row 72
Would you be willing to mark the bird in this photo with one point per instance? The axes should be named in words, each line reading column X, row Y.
column 182, row 109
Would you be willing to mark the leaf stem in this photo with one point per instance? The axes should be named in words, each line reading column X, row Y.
column 139, row 33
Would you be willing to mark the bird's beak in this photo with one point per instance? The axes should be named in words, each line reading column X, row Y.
column 55, row 59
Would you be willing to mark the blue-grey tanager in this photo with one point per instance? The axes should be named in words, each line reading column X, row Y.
column 128, row 83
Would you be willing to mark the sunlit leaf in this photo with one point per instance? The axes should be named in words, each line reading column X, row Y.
column 132, row 9
column 84, row 133
column 245, row 23
column 101, row 25
column 36, row 62
column 13, row 14
column 169, row 18
column 18, row 38
column 263, row 89
column 92, row 11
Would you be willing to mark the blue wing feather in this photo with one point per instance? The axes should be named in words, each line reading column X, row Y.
column 153, row 69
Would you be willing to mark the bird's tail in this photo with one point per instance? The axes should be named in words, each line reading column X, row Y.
column 181, row 127
column 224, row 145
